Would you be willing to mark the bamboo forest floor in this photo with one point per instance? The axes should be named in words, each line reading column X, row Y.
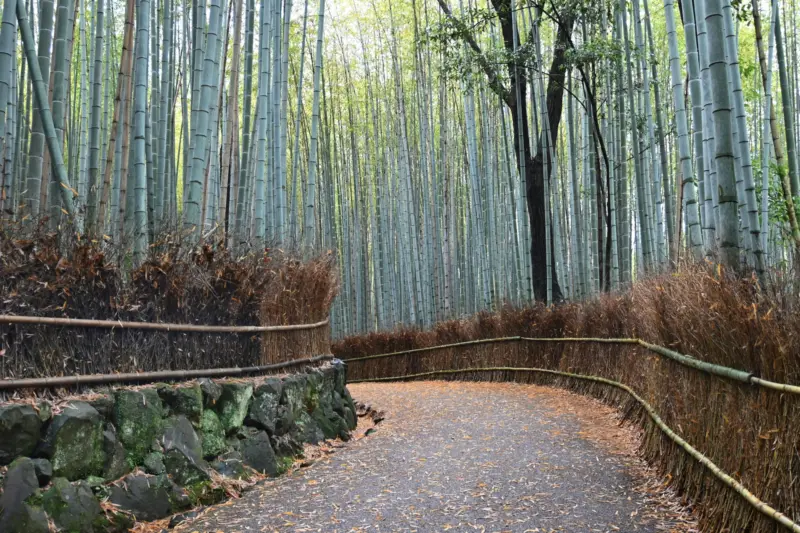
column 487, row 457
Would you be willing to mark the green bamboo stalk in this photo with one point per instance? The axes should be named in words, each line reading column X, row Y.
column 40, row 96
column 140, row 228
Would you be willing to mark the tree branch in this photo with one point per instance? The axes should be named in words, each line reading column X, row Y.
column 494, row 81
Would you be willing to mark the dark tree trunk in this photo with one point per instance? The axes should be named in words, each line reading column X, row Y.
column 535, row 165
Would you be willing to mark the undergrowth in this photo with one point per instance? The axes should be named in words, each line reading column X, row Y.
column 698, row 311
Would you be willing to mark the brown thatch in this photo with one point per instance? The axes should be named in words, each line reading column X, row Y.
column 51, row 275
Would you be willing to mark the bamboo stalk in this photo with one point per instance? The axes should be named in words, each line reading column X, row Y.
column 112, row 324
column 737, row 487
column 150, row 377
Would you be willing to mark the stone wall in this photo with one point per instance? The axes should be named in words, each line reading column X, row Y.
column 158, row 450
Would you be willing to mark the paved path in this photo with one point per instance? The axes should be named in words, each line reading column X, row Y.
column 467, row 457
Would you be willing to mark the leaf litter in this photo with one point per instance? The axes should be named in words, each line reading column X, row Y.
column 456, row 456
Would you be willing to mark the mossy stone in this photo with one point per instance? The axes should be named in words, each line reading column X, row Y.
column 138, row 417
column 183, row 400
column 72, row 507
column 309, row 429
column 154, row 463
column 183, row 456
column 74, row 442
column 233, row 404
column 113, row 522
column 28, row 519
column 263, row 411
column 19, row 485
column 205, row 493
column 212, row 434
column 116, row 463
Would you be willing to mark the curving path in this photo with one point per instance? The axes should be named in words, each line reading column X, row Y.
column 485, row 457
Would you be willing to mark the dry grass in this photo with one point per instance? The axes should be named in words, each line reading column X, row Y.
column 751, row 433
column 62, row 275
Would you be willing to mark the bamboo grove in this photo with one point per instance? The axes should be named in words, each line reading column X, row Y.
column 454, row 155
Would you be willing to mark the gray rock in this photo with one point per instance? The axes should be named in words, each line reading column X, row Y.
column 231, row 467
column 116, row 463
column 263, row 412
column 74, row 442
column 72, row 507
column 154, row 463
column 288, row 445
column 44, row 471
column 257, row 452
column 340, row 375
column 44, row 410
column 183, row 457
column 233, row 404
column 211, row 391
column 20, row 430
column 308, row 429
column 138, row 418
column 104, row 405
column 148, row 497
column 184, row 400
column 19, row 484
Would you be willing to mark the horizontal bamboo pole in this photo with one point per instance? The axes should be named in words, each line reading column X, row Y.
column 150, row 377
column 729, row 481
column 431, row 348
column 686, row 360
column 121, row 324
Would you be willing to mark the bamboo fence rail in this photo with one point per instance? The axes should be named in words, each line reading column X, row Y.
column 150, row 377
column 113, row 324
column 686, row 360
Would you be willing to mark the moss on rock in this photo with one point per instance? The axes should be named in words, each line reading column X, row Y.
column 72, row 507
column 74, row 442
column 138, row 416
column 233, row 404
column 184, row 400
column 212, row 434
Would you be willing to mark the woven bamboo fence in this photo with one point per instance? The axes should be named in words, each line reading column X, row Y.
column 37, row 347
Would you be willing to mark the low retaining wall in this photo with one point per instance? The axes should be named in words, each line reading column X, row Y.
column 158, row 450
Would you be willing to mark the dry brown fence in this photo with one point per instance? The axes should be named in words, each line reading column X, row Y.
column 39, row 347
column 208, row 307
column 748, row 430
